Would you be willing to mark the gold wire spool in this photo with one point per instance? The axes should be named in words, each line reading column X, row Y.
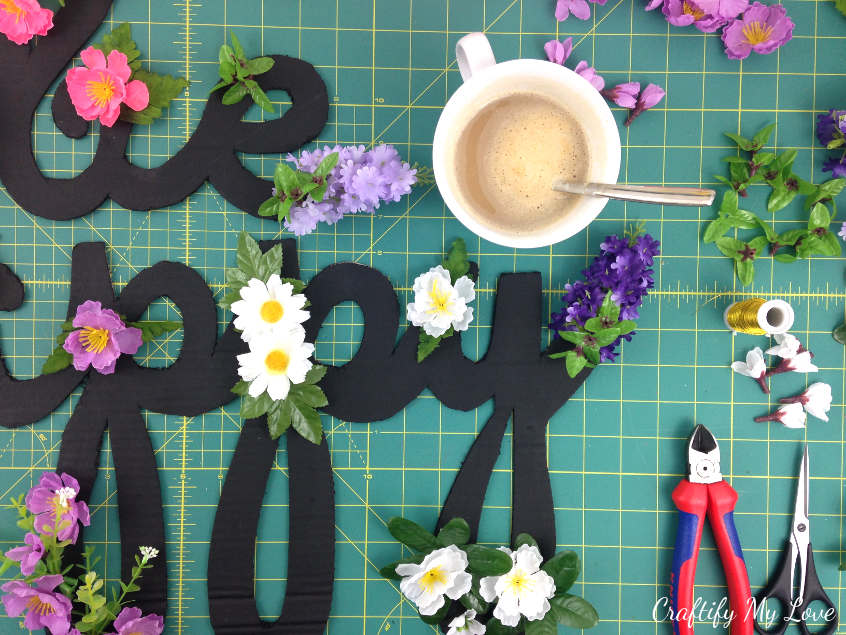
column 757, row 316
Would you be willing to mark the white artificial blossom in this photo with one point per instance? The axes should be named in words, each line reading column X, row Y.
column 466, row 624
column 754, row 367
column 275, row 361
column 800, row 363
column 438, row 304
column 816, row 400
column 442, row 573
column 524, row 591
column 790, row 415
column 787, row 346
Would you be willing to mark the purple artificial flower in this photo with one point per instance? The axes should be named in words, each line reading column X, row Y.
column 723, row 9
column 589, row 73
column 100, row 338
column 44, row 607
column 368, row 185
column 761, row 29
column 648, row 98
column 558, row 52
column 831, row 126
column 836, row 166
column 29, row 555
column 624, row 95
column 654, row 4
column 842, row 232
column 687, row 12
column 53, row 501
column 130, row 622
column 579, row 8
column 623, row 269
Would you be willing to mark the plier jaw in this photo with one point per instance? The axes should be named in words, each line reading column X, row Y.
column 703, row 457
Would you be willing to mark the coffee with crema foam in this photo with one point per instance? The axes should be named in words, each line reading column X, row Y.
column 508, row 156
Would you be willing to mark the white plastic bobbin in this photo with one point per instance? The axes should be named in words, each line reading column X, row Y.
column 774, row 317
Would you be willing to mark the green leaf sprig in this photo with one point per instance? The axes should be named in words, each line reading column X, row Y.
column 162, row 88
column 776, row 171
column 60, row 359
column 457, row 263
column 299, row 408
column 239, row 73
column 597, row 332
column 564, row 567
column 840, row 5
column 292, row 186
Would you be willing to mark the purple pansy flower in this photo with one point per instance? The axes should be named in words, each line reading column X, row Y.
column 624, row 95
column 649, row 97
column 44, row 607
column 836, row 166
column 578, row 8
column 761, row 29
column 28, row 555
column 55, row 498
column 623, row 269
column 589, row 73
column 101, row 337
column 130, row 622
column 831, row 126
column 558, row 52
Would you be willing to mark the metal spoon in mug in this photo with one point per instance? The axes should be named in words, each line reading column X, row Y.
column 692, row 196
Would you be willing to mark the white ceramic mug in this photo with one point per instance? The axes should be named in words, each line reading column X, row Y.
column 486, row 81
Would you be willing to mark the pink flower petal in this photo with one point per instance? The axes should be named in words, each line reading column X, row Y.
column 137, row 95
column 580, row 9
column 93, row 59
column 118, row 66
column 110, row 116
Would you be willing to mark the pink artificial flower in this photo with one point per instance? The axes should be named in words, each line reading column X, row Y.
column 578, row 8
column 130, row 622
column 98, row 90
column 45, row 608
column 687, row 12
column 100, row 338
column 654, row 4
column 649, row 97
column 29, row 555
column 589, row 73
column 558, row 52
column 725, row 9
column 22, row 19
column 761, row 29
column 53, row 501
column 624, row 95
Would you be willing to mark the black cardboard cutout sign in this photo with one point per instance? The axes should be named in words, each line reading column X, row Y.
column 210, row 154
column 525, row 385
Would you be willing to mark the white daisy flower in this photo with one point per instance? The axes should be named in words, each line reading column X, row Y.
column 268, row 307
column 442, row 572
column 523, row 591
column 276, row 361
column 816, row 400
column 466, row 624
column 791, row 415
column 438, row 304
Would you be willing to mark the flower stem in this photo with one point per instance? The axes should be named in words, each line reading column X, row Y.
column 762, row 382
column 769, row 417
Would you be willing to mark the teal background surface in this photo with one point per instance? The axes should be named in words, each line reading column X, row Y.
column 617, row 449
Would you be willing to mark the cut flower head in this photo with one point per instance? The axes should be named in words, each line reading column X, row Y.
column 790, row 415
column 524, row 591
column 442, row 572
column 20, row 20
column 53, row 501
column 276, row 361
column 439, row 305
column 761, row 29
column 130, row 621
column 754, row 367
column 44, row 607
column 100, row 338
column 816, row 400
column 98, row 89
column 268, row 307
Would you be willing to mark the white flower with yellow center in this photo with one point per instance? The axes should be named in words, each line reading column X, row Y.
column 525, row 590
column 268, row 307
column 276, row 361
column 438, row 304
column 441, row 573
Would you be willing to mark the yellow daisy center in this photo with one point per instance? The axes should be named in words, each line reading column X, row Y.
column 94, row 340
column 101, row 91
column 271, row 311
column 435, row 575
column 38, row 607
column 277, row 362
column 439, row 299
column 689, row 9
column 519, row 582
column 757, row 33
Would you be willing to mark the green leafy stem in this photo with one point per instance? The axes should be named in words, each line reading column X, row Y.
column 564, row 568
column 292, row 186
column 776, row 171
column 239, row 73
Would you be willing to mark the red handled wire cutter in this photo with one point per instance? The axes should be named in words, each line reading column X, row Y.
column 705, row 491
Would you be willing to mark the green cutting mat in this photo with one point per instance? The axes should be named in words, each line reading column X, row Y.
column 616, row 449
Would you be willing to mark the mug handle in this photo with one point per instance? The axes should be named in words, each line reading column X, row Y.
column 473, row 53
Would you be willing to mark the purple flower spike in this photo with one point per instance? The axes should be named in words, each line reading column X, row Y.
column 761, row 29
column 589, row 73
column 624, row 95
column 558, row 52
column 130, row 622
column 44, row 607
column 101, row 337
column 649, row 97
column 579, row 8
column 53, row 501
column 29, row 555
